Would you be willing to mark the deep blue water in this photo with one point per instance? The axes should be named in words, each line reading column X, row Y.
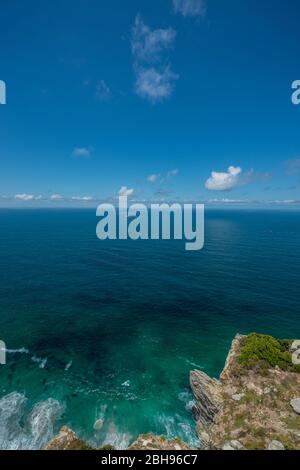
column 111, row 329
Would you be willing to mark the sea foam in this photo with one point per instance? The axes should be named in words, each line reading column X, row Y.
column 22, row 431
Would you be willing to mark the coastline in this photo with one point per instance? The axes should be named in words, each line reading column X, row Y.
column 253, row 406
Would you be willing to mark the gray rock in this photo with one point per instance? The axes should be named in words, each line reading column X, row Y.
column 295, row 404
column 233, row 445
column 207, row 393
column 204, row 437
column 238, row 396
column 227, row 446
column 295, row 345
column 275, row 445
column 98, row 424
column 236, row 445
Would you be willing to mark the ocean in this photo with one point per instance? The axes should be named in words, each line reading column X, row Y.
column 108, row 331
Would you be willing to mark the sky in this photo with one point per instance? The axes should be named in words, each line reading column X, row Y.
column 159, row 100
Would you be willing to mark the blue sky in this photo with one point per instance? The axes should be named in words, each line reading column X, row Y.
column 148, row 98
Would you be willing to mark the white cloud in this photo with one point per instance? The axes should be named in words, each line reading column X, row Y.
column 190, row 7
column 152, row 178
column 172, row 173
column 124, row 191
column 228, row 201
column 56, row 197
column 82, row 198
column 103, row 92
column 27, row 197
column 285, row 201
column 147, row 44
column 153, row 84
column 81, row 152
column 224, row 181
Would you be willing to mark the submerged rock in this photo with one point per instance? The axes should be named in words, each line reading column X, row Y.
column 98, row 424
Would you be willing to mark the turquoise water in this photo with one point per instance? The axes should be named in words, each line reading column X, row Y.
column 110, row 330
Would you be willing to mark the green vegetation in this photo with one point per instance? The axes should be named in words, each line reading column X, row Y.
column 266, row 351
column 240, row 420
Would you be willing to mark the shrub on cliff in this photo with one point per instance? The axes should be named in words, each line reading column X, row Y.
column 266, row 350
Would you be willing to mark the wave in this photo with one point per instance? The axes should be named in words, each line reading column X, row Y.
column 20, row 430
column 187, row 398
column 39, row 360
column 119, row 440
column 69, row 365
column 177, row 426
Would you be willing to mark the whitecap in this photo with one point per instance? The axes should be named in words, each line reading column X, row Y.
column 21, row 432
column 41, row 422
column 126, row 384
column 39, row 360
column 68, row 365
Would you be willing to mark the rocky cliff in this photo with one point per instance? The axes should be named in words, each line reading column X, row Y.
column 255, row 404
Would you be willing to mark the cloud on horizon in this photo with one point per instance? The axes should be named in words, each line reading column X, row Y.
column 27, row 197
column 56, row 197
column 82, row 198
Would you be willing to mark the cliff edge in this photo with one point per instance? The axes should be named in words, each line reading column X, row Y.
column 255, row 404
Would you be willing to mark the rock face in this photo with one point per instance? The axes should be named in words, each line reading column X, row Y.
column 207, row 393
column 208, row 402
column 249, row 407
column 295, row 404
column 67, row 440
column 150, row 442
column 208, row 396
column 231, row 357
